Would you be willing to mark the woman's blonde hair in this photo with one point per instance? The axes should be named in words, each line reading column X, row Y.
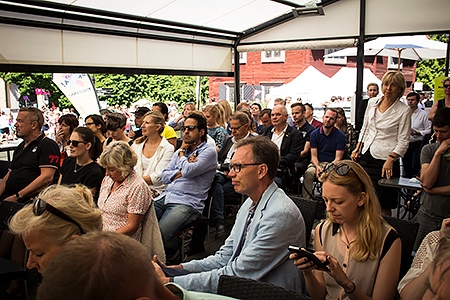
column 370, row 222
column 74, row 201
column 227, row 111
column 397, row 78
column 217, row 112
column 118, row 155
column 158, row 119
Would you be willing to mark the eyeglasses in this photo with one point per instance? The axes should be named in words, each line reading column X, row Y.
column 341, row 169
column 40, row 206
column 446, row 86
column 89, row 124
column 236, row 128
column 190, row 127
column 237, row 167
column 75, row 143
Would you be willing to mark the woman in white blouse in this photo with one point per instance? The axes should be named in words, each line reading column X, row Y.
column 384, row 137
column 153, row 151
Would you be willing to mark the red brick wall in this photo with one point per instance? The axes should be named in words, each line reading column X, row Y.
column 296, row 61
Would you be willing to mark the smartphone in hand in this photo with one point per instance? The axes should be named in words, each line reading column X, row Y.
column 302, row 252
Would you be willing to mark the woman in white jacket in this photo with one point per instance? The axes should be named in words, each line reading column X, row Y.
column 153, row 151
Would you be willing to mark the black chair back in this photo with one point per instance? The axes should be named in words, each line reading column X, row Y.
column 407, row 232
column 248, row 289
column 308, row 209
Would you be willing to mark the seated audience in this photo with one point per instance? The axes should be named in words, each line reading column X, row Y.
column 138, row 117
column 265, row 119
column 227, row 112
column 309, row 116
column 107, row 265
column 288, row 141
column 213, row 116
column 59, row 214
column 116, row 124
column 179, row 122
column 124, row 196
column 98, row 126
column 414, row 283
column 362, row 250
column 67, row 123
column 256, row 110
column 168, row 132
column 435, row 178
column 189, row 176
column 305, row 129
column 153, row 152
column 267, row 223
column 348, row 130
column 327, row 145
column 372, row 91
column 80, row 167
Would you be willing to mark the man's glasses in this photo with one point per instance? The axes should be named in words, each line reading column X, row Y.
column 189, row 127
column 236, row 128
column 40, row 206
column 446, row 86
column 341, row 169
column 237, row 167
column 75, row 143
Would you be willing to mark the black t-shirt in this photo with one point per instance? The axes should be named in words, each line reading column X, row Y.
column 27, row 163
column 90, row 175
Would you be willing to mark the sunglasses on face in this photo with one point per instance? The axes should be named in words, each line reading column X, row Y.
column 40, row 206
column 446, row 86
column 189, row 128
column 75, row 143
column 341, row 169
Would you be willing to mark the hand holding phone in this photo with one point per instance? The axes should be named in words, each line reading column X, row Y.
column 302, row 252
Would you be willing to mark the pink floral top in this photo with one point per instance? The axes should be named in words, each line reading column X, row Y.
column 132, row 196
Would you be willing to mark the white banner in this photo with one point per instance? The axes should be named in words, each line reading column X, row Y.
column 79, row 90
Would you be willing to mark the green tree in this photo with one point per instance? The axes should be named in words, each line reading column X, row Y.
column 428, row 70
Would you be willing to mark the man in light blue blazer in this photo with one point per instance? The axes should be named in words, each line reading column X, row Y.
column 267, row 223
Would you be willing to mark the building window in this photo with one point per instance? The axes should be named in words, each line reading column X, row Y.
column 272, row 56
column 393, row 63
column 334, row 60
column 242, row 57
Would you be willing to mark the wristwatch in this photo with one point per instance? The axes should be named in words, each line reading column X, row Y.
column 18, row 197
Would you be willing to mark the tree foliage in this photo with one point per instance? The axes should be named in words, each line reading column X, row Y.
column 126, row 88
column 428, row 70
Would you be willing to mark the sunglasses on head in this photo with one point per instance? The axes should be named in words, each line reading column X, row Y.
column 75, row 143
column 341, row 169
column 40, row 206
column 190, row 127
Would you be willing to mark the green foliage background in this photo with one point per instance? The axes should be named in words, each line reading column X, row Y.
column 428, row 70
column 126, row 88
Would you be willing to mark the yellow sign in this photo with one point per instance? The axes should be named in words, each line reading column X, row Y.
column 439, row 88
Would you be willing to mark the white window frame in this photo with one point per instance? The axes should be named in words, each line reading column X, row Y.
column 275, row 56
column 336, row 60
column 392, row 64
column 242, row 58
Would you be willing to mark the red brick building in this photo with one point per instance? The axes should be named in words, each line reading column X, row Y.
column 262, row 70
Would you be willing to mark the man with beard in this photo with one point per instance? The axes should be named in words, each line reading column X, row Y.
column 327, row 145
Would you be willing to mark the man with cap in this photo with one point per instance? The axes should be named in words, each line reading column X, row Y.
column 138, row 117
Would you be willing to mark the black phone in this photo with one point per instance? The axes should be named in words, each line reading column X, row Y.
column 302, row 252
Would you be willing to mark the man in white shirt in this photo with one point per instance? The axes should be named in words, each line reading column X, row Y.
column 420, row 126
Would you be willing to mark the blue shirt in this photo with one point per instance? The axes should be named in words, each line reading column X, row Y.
column 192, row 187
column 327, row 145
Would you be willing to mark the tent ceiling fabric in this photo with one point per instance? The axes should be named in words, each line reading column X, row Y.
column 190, row 36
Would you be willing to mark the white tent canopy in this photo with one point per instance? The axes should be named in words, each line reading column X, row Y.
column 194, row 37
column 344, row 81
column 310, row 85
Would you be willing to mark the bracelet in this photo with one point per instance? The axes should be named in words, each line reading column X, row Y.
column 393, row 157
column 353, row 289
column 182, row 150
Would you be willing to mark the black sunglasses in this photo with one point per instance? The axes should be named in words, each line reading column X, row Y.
column 446, row 86
column 75, row 143
column 190, row 127
column 40, row 206
column 341, row 169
